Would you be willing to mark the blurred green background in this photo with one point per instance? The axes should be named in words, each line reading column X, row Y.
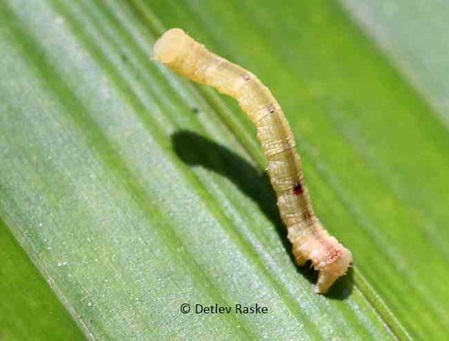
column 126, row 191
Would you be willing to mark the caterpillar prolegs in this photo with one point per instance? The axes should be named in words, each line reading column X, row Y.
column 310, row 240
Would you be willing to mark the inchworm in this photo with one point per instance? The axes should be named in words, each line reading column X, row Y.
column 310, row 240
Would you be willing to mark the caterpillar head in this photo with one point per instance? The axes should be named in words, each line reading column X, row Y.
column 171, row 47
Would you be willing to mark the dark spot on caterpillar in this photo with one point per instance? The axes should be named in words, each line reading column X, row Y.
column 271, row 108
column 124, row 57
column 297, row 190
column 195, row 110
column 307, row 215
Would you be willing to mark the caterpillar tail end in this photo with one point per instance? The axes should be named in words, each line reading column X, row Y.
column 329, row 273
column 170, row 46
column 325, row 281
column 329, row 258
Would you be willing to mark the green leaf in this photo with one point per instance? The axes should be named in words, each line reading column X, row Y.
column 29, row 309
column 415, row 40
column 134, row 191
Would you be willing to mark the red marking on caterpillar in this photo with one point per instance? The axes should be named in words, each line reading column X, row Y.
column 297, row 190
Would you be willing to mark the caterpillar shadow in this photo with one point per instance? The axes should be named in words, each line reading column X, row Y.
column 196, row 150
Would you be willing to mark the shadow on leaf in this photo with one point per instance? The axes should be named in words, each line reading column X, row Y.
column 196, row 150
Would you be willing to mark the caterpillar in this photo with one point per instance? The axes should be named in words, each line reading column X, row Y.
column 310, row 240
